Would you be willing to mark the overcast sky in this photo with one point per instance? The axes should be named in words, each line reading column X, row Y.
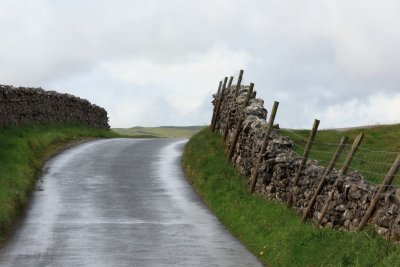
column 157, row 63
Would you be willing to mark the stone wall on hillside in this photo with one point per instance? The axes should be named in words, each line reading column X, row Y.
column 19, row 105
column 352, row 193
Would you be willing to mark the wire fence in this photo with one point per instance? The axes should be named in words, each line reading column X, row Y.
column 370, row 164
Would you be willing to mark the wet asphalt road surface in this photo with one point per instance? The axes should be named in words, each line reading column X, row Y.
column 120, row 202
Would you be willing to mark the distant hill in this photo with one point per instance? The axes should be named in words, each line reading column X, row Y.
column 162, row 131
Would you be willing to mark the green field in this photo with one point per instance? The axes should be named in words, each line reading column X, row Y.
column 163, row 131
column 23, row 151
column 269, row 229
column 377, row 151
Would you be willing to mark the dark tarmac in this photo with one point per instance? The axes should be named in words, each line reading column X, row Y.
column 120, row 202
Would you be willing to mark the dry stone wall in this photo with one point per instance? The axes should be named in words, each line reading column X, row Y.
column 19, row 105
column 352, row 194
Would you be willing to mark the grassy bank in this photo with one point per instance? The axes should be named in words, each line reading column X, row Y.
column 270, row 230
column 23, row 151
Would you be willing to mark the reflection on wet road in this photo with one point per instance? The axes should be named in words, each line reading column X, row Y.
column 120, row 202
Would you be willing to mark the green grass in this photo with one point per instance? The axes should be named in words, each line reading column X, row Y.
column 163, row 131
column 375, row 156
column 268, row 227
column 23, row 151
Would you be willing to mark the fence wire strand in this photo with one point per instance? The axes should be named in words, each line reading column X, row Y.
column 370, row 164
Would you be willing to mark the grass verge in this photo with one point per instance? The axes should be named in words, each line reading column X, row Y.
column 23, row 151
column 269, row 229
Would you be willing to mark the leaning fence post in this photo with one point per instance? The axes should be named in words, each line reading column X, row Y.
column 263, row 147
column 215, row 104
column 226, row 127
column 239, row 125
column 235, row 94
column 322, row 183
column 349, row 157
column 304, row 159
column 220, row 99
column 239, row 83
column 342, row 171
column 230, row 82
column 375, row 199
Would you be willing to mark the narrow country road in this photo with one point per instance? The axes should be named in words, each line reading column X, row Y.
column 120, row 202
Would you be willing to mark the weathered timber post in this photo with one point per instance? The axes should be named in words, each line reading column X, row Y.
column 375, row 199
column 230, row 82
column 322, row 183
column 342, row 171
column 239, row 125
column 263, row 147
column 226, row 128
column 304, row 159
column 239, row 83
column 353, row 150
column 220, row 99
column 215, row 104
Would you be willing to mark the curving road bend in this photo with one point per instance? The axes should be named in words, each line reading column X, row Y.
column 120, row 202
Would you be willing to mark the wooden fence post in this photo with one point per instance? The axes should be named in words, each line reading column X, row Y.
column 375, row 199
column 215, row 104
column 230, row 82
column 226, row 127
column 322, row 183
column 220, row 99
column 263, row 147
column 239, row 126
column 239, row 83
column 304, row 159
column 353, row 150
column 343, row 170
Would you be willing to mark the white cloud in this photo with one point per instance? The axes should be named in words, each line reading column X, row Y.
column 377, row 109
column 185, row 84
